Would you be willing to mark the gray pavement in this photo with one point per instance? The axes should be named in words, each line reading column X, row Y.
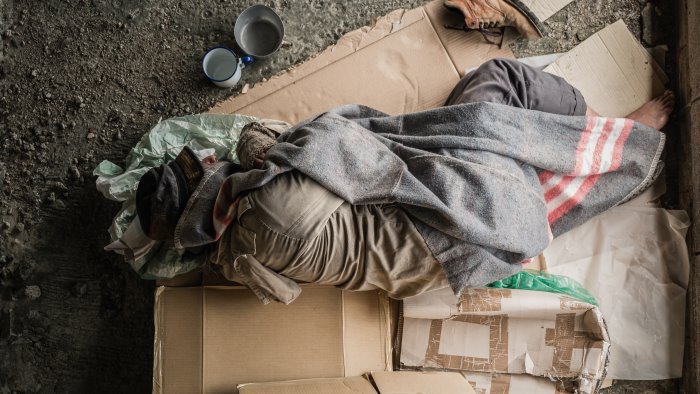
column 81, row 81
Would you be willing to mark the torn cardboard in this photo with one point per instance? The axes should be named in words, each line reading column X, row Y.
column 487, row 383
column 411, row 63
column 633, row 259
column 209, row 339
column 501, row 331
column 432, row 382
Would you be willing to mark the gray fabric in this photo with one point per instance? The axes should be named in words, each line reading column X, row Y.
column 294, row 228
column 195, row 233
column 510, row 82
column 467, row 172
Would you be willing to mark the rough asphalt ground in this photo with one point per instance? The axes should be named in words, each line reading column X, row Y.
column 81, row 81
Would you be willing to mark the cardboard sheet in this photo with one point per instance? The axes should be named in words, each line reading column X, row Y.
column 421, row 382
column 506, row 332
column 350, row 385
column 634, row 260
column 406, row 62
column 545, row 8
column 487, row 383
column 386, row 382
column 411, row 63
column 208, row 340
column 612, row 70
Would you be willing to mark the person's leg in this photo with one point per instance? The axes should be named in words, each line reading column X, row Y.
column 510, row 82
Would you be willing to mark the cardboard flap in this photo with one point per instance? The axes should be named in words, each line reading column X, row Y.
column 405, row 382
column 615, row 74
column 396, row 70
column 210, row 339
column 178, row 315
column 351, row 385
column 465, row 49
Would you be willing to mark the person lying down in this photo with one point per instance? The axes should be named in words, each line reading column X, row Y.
column 458, row 196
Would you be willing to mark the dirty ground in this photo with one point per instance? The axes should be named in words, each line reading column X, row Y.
column 81, row 81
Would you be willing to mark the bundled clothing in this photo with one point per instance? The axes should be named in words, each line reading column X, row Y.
column 359, row 199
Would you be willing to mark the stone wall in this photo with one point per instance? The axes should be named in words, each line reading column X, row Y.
column 688, row 89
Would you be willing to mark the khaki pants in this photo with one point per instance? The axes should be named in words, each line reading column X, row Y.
column 296, row 229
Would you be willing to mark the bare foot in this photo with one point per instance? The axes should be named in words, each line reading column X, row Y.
column 655, row 113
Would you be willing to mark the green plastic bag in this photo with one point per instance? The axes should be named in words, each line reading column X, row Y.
column 543, row 281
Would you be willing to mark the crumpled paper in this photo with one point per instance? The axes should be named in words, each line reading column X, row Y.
column 634, row 260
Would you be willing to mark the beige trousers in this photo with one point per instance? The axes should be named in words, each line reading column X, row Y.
column 293, row 230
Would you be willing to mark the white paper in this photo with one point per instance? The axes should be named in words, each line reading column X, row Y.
column 634, row 260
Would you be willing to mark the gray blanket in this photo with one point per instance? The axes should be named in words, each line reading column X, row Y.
column 487, row 185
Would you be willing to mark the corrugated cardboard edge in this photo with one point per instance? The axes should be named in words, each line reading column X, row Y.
column 356, row 384
column 442, row 382
column 157, row 342
column 193, row 353
column 384, row 314
column 345, row 46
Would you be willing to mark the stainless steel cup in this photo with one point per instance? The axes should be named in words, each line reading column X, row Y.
column 259, row 31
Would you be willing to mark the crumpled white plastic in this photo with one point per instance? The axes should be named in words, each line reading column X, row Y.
column 159, row 146
column 634, row 260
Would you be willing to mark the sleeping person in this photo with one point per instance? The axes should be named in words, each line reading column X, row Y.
column 457, row 196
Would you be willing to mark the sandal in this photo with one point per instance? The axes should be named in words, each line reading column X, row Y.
column 490, row 17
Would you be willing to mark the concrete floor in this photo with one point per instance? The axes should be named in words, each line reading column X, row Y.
column 81, row 81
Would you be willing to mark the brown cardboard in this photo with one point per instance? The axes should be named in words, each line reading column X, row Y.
column 405, row 382
column 545, row 8
column 612, row 70
column 506, row 332
column 406, row 62
column 210, row 339
column 466, row 50
column 351, row 385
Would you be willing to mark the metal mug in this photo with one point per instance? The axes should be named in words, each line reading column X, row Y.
column 259, row 31
column 222, row 66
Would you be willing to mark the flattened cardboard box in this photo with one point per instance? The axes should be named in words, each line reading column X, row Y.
column 615, row 75
column 421, row 382
column 406, row 62
column 209, row 339
column 386, row 382
column 351, row 385
column 414, row 76
column 505, row 331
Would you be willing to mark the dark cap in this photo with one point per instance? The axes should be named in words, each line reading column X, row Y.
column 163, row 192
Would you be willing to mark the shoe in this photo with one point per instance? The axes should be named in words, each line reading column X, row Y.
column 483, row 15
